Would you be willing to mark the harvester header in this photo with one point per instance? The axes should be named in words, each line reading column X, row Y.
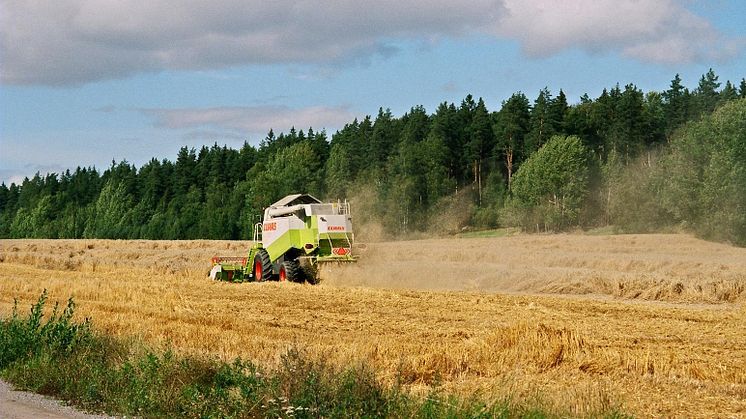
column 298, row 233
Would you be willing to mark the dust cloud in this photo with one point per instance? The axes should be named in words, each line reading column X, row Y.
column 662, row 267
column 377, row 221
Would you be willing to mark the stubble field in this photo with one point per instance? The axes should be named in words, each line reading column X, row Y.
column 652, row 324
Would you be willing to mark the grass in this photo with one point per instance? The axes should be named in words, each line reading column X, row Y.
column 601, row 231
column 65, row 359
column 499, row 232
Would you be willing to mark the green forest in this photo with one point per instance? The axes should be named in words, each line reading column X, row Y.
column 631, row 160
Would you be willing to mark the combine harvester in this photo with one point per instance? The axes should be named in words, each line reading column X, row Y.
column 299, row 233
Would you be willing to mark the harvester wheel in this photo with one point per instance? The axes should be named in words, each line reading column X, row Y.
column 262, row 266
column 290, row 271
column 312, row 275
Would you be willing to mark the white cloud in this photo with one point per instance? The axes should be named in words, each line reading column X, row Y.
column 202, row 135
column 17, row 175
column 78, row 41
column 250, row 119
column 657, row 31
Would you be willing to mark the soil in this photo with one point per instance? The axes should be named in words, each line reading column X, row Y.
column 24, row 405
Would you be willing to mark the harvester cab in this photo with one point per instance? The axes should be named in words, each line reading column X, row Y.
column 297, row 235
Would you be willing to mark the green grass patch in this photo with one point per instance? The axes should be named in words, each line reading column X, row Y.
column 68, row 360
column 602, row 231
column 499, row 232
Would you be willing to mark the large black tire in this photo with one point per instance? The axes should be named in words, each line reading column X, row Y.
column 311, row 275
column 262, row 266
column 290, row 271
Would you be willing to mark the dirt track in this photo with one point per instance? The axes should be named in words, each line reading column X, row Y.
column 631, row 321
column 25, row 405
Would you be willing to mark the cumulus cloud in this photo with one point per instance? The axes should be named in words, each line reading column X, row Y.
column 78, row 41
column 657, row 31
column 11, row 176
column 249, row 119
column 18, row 174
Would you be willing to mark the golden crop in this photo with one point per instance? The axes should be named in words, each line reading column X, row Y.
column 654, row 324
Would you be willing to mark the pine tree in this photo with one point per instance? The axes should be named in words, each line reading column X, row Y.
column 343, row 164
column 602, row 118
column 184, row 171
column 247, row 158
column 628, row 131
column 579, row 122
column 445, row 126
column 558, row 112
column 383, row 137
column 510, row 129
column 540, row 125
column 706, row 95
column 675, row 105
column 729, row 92
column 653, row 119
column 318, row 143
column 409, row 193
column 4, row 192
column 465, row 115
column 152, row 183
column 480, row 143
column 5, row 210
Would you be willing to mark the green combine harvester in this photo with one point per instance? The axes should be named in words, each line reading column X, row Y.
column 298, row 234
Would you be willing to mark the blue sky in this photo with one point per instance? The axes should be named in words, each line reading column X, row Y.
column 83, row 83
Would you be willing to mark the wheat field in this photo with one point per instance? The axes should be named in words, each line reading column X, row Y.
column 652, row 324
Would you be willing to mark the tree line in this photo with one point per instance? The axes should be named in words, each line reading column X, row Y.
column 539, row 164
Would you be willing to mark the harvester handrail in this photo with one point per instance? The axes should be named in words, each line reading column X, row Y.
column 341, row 208
column 258, row 230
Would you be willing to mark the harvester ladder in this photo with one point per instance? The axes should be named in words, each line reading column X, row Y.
column 349, row 236
column 258, row 230
column 342, row 208
column 349, row 242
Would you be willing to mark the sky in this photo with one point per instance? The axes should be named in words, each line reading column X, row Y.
column 88, row 82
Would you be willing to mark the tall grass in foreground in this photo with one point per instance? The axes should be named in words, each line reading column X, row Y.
column 68, row 360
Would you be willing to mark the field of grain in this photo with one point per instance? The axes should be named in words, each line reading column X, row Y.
column 653, row 324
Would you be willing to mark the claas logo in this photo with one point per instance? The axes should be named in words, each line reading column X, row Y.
column 270, row 226
column 336, row 228
column 340, row 251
